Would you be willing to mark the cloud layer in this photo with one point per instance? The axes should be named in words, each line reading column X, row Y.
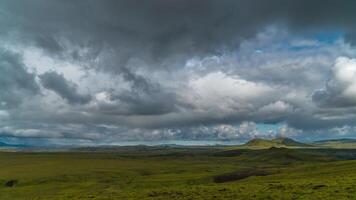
column 109, row 71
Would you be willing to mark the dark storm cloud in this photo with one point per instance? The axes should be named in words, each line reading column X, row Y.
column 16, row 83
column 139, row 102
column 161, row 29
column 144, row 97
column 64, row 88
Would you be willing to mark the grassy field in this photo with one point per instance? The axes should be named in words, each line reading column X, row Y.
column 177, row 173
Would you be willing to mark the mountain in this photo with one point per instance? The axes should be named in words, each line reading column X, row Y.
column 344, row 143
column 289, row 142
column 277, row 142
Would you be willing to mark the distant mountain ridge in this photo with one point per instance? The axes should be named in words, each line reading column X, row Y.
column 343, row 143
column 346, row 140
column 277, row 142
column 3, row 144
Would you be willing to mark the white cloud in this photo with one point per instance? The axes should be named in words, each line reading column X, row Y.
column 218, row 89
column 340, row 89
column 345, row 76
column 275, row 110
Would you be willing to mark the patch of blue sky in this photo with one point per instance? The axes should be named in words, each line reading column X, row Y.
column 329, row 37
column 267, row 129
column 314, row 41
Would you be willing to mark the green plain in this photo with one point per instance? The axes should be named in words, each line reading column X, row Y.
column 179, row 173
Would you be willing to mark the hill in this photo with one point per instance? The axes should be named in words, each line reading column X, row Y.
column 277, row 142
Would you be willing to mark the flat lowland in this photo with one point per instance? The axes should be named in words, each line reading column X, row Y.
column 179, row 173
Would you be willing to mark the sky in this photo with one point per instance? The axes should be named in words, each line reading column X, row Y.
column 75, row 72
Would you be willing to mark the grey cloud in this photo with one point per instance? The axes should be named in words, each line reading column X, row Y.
column 163, row 30
column 138, row 103
column 218, row 97
column 144, row 97
column 147, row 45
column 49, row 43
column 16, row 83
column 64, row 88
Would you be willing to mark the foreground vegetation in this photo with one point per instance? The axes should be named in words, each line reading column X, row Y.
column 179, row 173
